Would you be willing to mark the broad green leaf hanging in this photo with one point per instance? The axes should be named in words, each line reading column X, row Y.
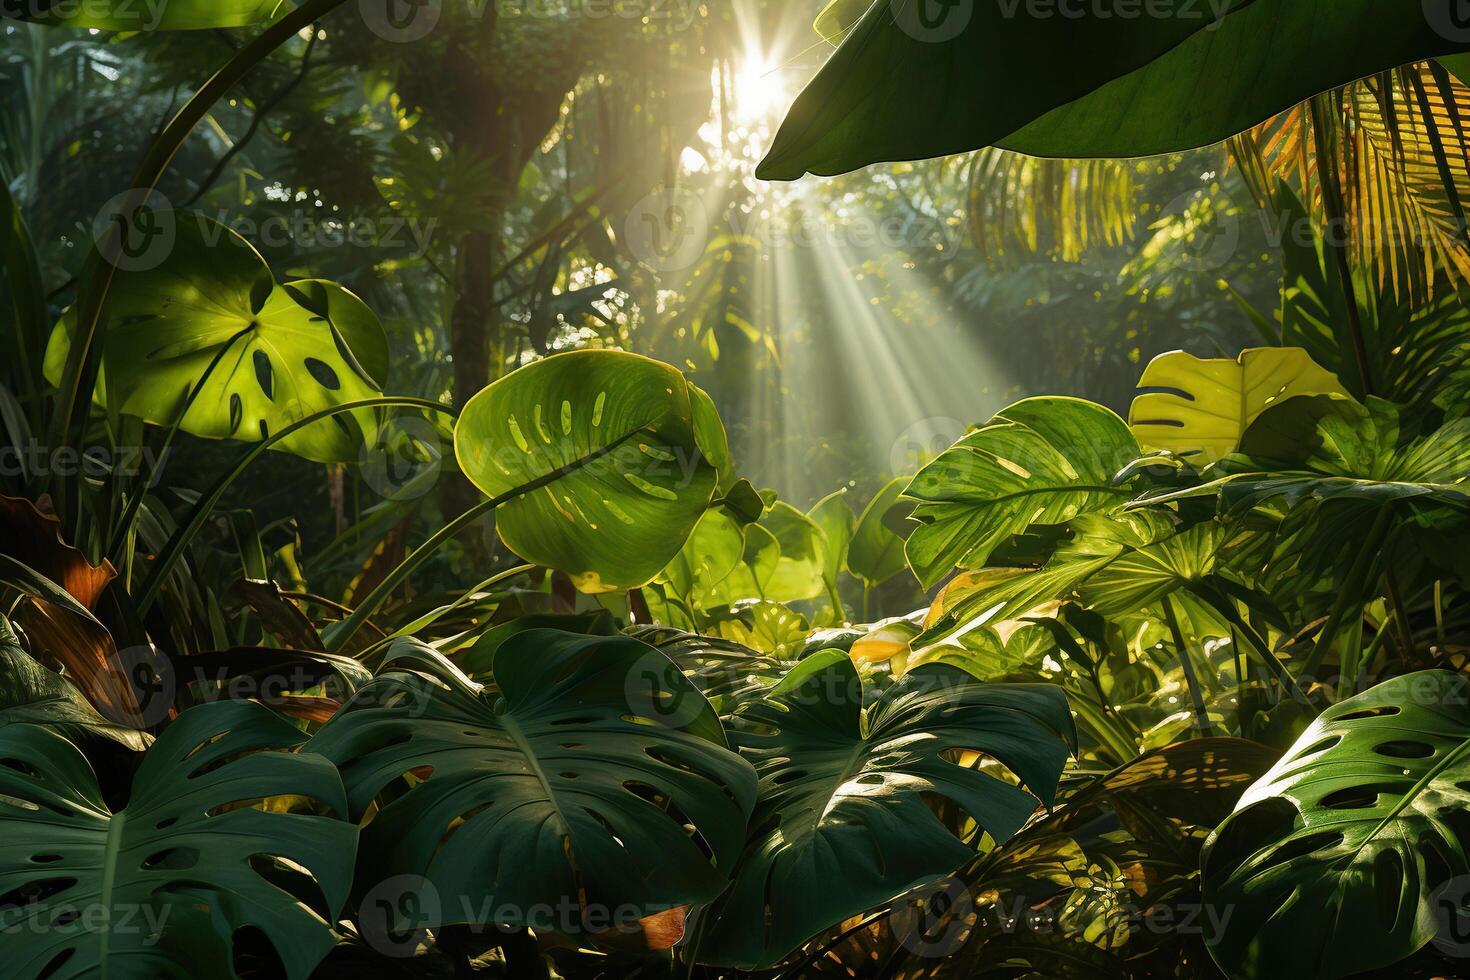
column 560, row 786
column 917, row 80
column 603, row 452
column 1041, row 461
column 1204, row 405
column 141, row 15
column 189, row 862
column 842, row 824
column 274, row 353
column 1351, row 838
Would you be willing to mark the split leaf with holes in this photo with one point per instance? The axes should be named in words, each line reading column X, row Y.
column 1041, row 461
column 190, row 866
column 269, row 354
column 1321, row 447
column 1203, row 406
column 1352, row 837
column 569, row 782
column 617, row 453
column 842, row 825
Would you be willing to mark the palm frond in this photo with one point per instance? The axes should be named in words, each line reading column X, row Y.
column 1055, row 207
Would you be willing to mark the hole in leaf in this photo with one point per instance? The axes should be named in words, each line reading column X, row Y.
column 1353, row 798
column 265, row 376
column 1380, row 711
column 1405, row 749
column 322, row 373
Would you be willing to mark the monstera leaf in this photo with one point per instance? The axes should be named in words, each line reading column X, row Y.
column 1329, row 448
column 1111, row 81
column 801, row 567
column 875, row 553
column 164, row 887
column 1117, row 562
column 562, row 784
column 1041, row 461
column 842, row 825
column 1204, row 406
column 132, row 15
column 270, row 354
column 607, row 455
column 1351, row 838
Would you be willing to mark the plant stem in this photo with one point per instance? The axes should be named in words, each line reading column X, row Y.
column 341, row 632
column 1201, row 714
column 181, row 538
column 80, row 373
column 1336, row 241
column 1358, row 576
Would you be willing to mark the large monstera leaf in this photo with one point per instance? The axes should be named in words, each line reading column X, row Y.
column 1041, row 461
column 270, row 353
column 1201, row 407
column 1351, row 838
column 568, row 783
column 924, row 79
column 617, row 452
column 164, row 887
column 135, row 15
column 1335, row 449
column 842, row 824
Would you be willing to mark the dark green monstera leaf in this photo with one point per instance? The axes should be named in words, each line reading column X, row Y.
column 163, row 887
column 1041, row 461
column 1357, row 838
column 270, row 354
column 842, row 824
column 137, row 15
column 560, row 786
column 619, row 453
column 1112, row 78
column 1332, row 448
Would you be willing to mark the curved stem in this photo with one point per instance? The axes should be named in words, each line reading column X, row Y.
column 98, row 277
column 341, row 632
column 180, row 539
column 125, row 525
column 1201, row 713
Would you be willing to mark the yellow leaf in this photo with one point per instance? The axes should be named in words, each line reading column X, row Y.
column 1207, row 404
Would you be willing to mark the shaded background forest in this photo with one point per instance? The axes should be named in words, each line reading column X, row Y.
column 532, row 177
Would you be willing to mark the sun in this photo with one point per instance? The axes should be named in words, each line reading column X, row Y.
column 760, row 90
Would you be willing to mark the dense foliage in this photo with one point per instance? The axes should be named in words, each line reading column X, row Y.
column 1078, row 690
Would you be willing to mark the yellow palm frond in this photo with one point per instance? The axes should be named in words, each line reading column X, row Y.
column 1055, row 207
